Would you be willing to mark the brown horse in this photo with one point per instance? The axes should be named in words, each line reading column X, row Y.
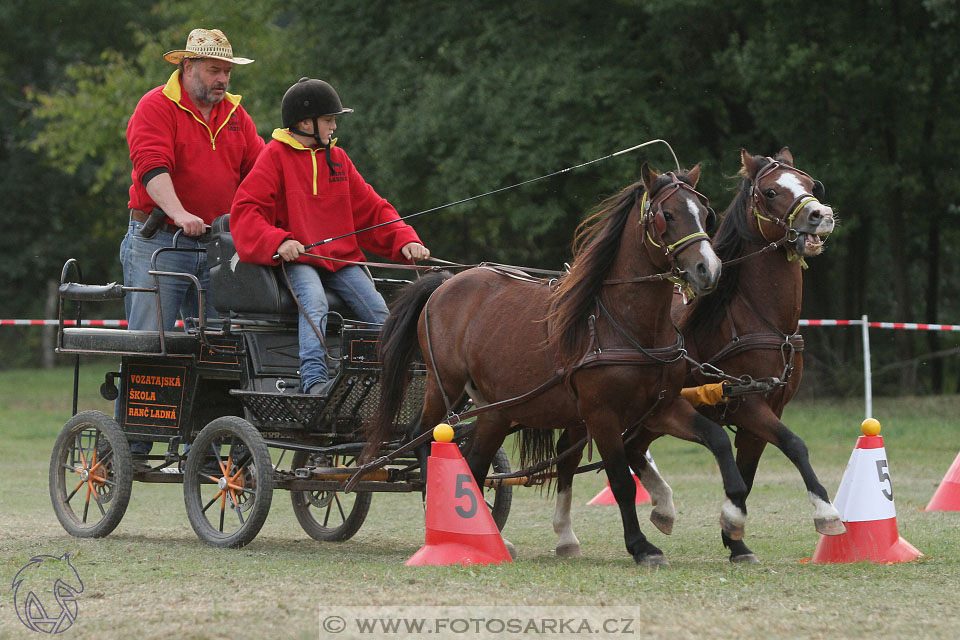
column 748, row 327
column 574, row 353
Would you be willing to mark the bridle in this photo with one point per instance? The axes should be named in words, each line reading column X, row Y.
column 785, row 222
column 652, row 219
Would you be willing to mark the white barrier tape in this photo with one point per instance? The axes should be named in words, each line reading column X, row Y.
column 68, row 323
column 913, row 326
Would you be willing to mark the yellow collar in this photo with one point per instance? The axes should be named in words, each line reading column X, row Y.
column 174, row 91
column 284, row 136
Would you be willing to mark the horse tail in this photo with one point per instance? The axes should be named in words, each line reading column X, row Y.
column 537, row 445
column 399, row 347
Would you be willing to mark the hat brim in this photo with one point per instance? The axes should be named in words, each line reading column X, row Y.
column 174, row 57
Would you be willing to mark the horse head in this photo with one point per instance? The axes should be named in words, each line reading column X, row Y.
column 786, row 202
column 675, row 219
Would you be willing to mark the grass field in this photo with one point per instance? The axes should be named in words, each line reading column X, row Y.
column 152, row 578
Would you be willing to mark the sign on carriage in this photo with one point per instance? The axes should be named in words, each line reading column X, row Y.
column 154, row 395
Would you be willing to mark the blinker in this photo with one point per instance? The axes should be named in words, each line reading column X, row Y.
column 818, row 190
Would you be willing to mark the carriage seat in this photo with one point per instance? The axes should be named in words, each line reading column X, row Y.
column 129, row 341
column 251, row 291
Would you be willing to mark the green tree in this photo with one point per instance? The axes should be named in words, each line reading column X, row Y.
column 456, row 99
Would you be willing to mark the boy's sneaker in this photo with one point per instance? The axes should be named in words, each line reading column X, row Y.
column 322, row 389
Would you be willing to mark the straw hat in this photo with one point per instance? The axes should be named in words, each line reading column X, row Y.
column 206, row 43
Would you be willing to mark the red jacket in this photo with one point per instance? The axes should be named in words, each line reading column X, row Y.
column 206, row 163
column 290, row 193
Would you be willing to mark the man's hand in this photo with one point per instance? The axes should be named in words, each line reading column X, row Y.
column 290, row 250
column 192, row 225
column 415, row 251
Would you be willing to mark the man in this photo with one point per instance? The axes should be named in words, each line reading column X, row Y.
column 191, row 143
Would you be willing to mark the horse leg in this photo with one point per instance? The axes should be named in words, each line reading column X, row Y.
column 681, row 420
column 568, row 546
column 605, row 429
column 663, row 513
column 749, row 450
column 826, row 518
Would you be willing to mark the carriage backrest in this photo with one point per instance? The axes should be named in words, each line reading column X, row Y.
column 249, row 290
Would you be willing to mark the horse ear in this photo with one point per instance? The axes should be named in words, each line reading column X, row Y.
column 694, row 175
column 648, row 175
column 785, row 156
column 749, row 164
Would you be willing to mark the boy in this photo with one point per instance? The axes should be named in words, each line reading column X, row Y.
column 304, row 189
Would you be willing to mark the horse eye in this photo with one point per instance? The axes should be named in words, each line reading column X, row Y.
column 770, row 193
column 667, row 216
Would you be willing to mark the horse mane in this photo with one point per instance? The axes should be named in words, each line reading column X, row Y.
column 596, row 244
column 706, row 312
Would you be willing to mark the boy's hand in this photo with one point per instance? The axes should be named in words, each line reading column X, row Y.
column 290, row 250
column 415, row 251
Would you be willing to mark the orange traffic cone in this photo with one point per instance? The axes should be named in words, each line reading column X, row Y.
column 460, row 528
column 947, row 495
column 865, row 503
column 606, row 495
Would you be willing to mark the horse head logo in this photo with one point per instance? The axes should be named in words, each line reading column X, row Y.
column 45, row 593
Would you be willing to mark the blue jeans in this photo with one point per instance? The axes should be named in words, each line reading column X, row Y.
column 177, row 295
column 356, row 289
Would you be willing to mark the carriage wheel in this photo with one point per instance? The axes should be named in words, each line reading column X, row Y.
column 329, row 516
column 91, row 475
column 502, row 496
column 228, row 483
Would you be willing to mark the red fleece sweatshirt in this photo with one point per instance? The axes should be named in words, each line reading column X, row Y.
column 206, row 161
column 290, row 193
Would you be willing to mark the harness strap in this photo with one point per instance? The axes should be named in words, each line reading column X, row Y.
column 753, row 341
column 456, row 418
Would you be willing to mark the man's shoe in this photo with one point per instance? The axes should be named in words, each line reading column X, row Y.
column 140, row 463
column 322, row 389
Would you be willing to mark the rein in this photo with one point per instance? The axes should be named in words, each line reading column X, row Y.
column 501, row 189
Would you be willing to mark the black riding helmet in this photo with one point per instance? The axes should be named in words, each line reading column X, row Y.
column 310, row 98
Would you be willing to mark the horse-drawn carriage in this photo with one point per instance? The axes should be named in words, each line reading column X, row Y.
column 229, row 389
column 592, row 351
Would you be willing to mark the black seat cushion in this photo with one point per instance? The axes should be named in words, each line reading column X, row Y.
column 252, row 290
column 95, row 339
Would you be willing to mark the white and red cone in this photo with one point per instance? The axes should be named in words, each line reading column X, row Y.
column 947, row 495
column 865, row 503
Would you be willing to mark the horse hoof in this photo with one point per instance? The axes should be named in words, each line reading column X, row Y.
column 662, row 522
column 512, row 550
column 568, row 551
column 746, row 558
column 829, row 526
column 732, row 521
column 654, row 560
